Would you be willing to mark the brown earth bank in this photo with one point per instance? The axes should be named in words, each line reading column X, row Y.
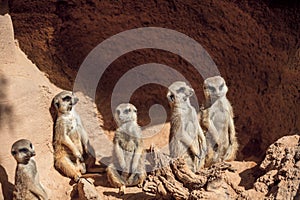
column 255, row 45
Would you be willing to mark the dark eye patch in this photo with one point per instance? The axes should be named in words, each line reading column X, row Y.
column 221, row 86
column 13, row 153
column 30, row 145
column 24, row 150
column 118, row 112
column 67, row 98
column 211, row 88
column 181, row 90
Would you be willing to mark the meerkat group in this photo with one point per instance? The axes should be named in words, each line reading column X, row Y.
column 187, row 139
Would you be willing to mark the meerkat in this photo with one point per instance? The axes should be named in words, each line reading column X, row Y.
column 27, row 184
column 186, row 136
column 128, row 167
column 70, row 139
column 217, row 119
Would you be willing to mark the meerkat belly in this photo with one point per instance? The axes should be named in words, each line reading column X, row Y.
column 72, row 130
column 219, row 119
column 128, row 144
column 22, row 185
column 191, row 130
column 176, row 147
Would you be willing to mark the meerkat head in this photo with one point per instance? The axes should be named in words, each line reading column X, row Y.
column 215, row 87
column 22, row 150
column 64, row 101
column 179, row 92
column 125, row 112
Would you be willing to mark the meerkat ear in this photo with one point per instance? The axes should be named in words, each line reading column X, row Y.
column 13, row 153
column 55, row 103
column 171, row 96
column 192, row 92
column 75, row 100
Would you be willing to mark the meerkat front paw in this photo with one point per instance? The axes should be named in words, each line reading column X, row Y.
column 76, row 178
column 83, row 168
column 140, row 185
column 79, row 156
column 122, row 190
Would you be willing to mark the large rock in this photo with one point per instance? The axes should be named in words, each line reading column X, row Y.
column 282, row 170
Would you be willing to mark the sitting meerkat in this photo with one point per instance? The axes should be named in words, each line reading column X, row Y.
column 70, row 140
column 27, row 184
column 217, row 119
column 186, row 136
column 128, row 166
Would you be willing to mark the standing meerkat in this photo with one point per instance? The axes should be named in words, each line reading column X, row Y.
column 128, row 166
column 186, row 136
column 70, row 140
column 217, row 118
column 27, row 184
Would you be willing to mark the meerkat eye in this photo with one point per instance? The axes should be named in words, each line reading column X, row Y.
column 118, row 112
column 13, row 153
column 67, row 98
column 129, row 110
column 221, row 86
column 134, row 110
column 211, row 88
column 30, row 145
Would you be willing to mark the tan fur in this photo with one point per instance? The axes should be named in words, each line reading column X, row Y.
column 128, row 167
column 217, row 119
column 186, row 136
column 70, row 138
column 27, row 184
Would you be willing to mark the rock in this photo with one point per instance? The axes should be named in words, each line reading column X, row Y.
column 87, row 191
column 282, row 177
